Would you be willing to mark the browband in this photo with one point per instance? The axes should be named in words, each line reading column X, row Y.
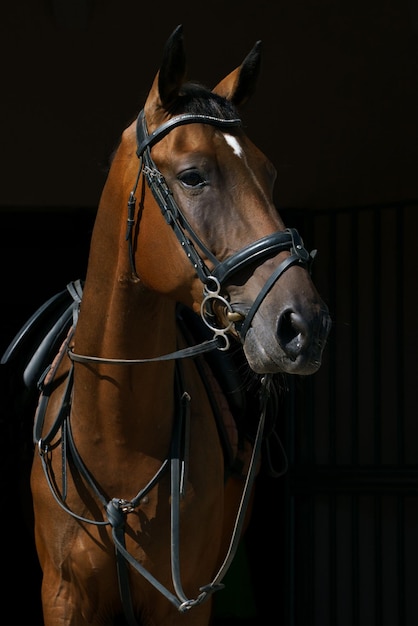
column 144, row 140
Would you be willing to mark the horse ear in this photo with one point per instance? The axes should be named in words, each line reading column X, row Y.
column 240, row 84
column 171, row 74
column 173, row 67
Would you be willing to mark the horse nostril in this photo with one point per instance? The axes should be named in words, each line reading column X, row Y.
column 292, row 333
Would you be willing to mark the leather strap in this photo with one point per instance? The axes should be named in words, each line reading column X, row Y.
column 145, row 140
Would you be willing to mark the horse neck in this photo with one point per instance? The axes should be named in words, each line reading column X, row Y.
column 120, row 318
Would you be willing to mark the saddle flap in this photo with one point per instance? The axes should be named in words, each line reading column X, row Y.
column 37, row 342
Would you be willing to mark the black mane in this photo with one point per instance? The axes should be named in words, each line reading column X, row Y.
column 198, row 100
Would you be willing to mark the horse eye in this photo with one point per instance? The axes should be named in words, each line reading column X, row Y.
column 192, row 178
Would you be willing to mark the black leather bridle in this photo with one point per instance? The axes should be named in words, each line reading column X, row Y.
column 213, row 280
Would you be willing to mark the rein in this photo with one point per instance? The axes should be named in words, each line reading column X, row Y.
column 185, row 353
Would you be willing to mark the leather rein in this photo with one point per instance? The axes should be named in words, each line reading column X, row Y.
column 213, row 281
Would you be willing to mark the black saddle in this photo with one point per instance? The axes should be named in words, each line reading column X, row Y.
column 39, row 340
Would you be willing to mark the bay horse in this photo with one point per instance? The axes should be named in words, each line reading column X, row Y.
column 136, row 513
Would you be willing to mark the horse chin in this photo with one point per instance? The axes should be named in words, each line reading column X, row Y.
column 270, row 358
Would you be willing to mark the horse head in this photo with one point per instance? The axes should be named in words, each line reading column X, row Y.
column 241, row 268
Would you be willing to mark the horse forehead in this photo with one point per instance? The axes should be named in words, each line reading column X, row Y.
column 234, row 144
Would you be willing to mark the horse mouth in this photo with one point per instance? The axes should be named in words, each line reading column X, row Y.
column 264, row 360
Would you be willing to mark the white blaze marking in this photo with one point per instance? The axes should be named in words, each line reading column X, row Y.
column 234, row 143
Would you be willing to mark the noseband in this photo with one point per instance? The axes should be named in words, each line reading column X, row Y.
column 253, row 254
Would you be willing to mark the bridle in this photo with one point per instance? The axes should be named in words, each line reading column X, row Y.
column 215, row 279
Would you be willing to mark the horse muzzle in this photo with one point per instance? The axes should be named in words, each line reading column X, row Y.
column 293, row 345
